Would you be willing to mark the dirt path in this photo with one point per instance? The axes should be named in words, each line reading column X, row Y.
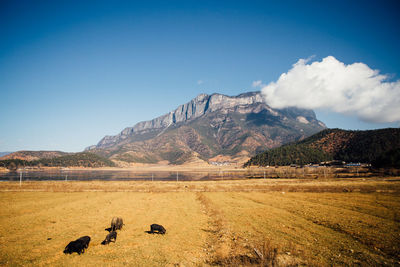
column 225, row 247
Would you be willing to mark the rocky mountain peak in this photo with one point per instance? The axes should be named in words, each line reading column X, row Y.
column 201, row 97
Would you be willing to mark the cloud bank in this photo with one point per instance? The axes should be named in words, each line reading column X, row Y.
column 353, row 89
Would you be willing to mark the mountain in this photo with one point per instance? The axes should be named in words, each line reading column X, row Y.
column 210, row 127
column 380, row 147
column 33, row 155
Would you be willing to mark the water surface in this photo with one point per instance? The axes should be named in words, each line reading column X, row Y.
column 120, row 175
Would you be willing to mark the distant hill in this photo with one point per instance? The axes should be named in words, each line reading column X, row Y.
column 82, row 159
column 351, row 146
column 33, row 155
column 209, row 128
column 4, row 153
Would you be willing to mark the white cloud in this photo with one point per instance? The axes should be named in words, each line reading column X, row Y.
column 200, row 82
column 353, row 89
column 257, row 83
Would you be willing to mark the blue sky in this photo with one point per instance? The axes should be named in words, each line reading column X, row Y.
column 74, row 71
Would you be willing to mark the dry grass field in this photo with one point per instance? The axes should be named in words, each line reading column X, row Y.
column 247, row 222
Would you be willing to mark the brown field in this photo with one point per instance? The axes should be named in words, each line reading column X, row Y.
column 283, row 222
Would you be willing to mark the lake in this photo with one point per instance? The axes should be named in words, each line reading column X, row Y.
column 121, row 175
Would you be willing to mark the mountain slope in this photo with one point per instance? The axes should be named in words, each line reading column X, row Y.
column 350, row 146
column 210, row 126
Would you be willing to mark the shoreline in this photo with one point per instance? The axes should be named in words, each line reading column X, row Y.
column 361, row 185
column 158, row 168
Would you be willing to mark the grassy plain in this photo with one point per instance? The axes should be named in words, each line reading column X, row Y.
column 249, row 222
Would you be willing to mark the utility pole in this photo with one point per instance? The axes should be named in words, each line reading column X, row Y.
column 20, row 178
column 177, row 176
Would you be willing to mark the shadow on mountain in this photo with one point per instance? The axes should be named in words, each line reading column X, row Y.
column 263, row 118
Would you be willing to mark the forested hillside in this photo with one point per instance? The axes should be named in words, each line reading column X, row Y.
column 373, row 146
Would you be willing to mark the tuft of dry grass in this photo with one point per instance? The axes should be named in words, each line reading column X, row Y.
column 267, row 254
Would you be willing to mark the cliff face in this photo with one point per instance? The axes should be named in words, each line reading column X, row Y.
column 208, row 126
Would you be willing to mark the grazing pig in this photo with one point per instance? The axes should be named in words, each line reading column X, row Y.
column 116, row 223
column 156, row 228
column 110, row 237
column 74, row 246
column 78, row 245
column 85, row 240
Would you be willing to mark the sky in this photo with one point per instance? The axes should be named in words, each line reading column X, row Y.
column 72, row 72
